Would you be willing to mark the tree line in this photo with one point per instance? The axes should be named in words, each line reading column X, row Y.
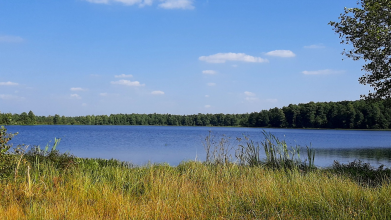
column 345, row 114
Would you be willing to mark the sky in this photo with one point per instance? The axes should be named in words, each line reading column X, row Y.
column 85, row 57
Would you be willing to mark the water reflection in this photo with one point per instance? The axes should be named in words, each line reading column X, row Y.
column 375, row 156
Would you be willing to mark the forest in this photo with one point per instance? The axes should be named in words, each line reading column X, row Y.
column 359, row 114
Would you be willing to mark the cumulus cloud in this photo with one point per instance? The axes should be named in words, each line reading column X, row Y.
column 157, row 93
column 127, row 83
column 103, row 94
column 140, row 3
column 211, row 84
column 146, row 2
column 210, row 72
column 10, row 39
column 206, row 96
column 177, row 4
column 207, row 106
column 281, row 53
column 224, row 57
column 77, row 89
column 322, row 72
column 315, row 46
column 8, row 83
column 75, row 96
column 123, row 76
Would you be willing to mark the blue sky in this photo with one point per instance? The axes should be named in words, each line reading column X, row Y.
column 79, row 57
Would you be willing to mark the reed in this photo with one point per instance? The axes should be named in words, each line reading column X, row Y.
column 278, row 154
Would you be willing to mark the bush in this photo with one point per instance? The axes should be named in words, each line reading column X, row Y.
column 51, row 157
column 7, row 160
column 363, row 173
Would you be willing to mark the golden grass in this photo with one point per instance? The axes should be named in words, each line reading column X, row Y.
column 190, row 191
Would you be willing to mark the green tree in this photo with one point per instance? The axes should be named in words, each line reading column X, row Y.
column 263, row 118
column 57, row 119
column 24, row 119
column 64, row 120
column 32, row 118
column 368, row 29
column 277, row 117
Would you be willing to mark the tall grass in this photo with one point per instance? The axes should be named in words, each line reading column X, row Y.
column 278, row 154
column 191, row 190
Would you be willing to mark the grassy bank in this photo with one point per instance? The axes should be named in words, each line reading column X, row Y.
column 192, row 190
column 46, row 184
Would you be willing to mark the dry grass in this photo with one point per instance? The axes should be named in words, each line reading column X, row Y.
column 189, row 191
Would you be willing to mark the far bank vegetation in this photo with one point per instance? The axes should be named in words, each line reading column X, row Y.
column 344, row 115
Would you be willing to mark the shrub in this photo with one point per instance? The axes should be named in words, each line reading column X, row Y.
column 7, row 160
column 51, row 157
column 363, row 173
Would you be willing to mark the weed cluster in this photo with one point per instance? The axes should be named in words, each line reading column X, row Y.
column 363, row 173
column 63, row 161
column 278, row 154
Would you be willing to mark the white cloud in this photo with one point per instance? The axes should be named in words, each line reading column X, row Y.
column 234, row 65
column 322, row 72
column 281, row 53
column 315, row 46
column 176, row 4
column 207, row 106
column 123, row 76
column 75, row 96
column 10, row 39
column 103, row 94
column 210, row 72
column 249, row 93
column 8, row 83
column 224, row 57
column 250, row 96
column 146, row 2
column 84, row 104
column 77, row 89
column 10, row 97
column 99, row 1
column 157, row 93
column 272, row 100
column 140, row 3
column 127, row 83
column 166, row 4
column 206, row 96
column 211, row 84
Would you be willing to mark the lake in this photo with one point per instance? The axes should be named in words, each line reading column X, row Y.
column 171, row 144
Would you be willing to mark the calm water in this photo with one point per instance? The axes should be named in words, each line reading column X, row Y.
column 157, row 144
